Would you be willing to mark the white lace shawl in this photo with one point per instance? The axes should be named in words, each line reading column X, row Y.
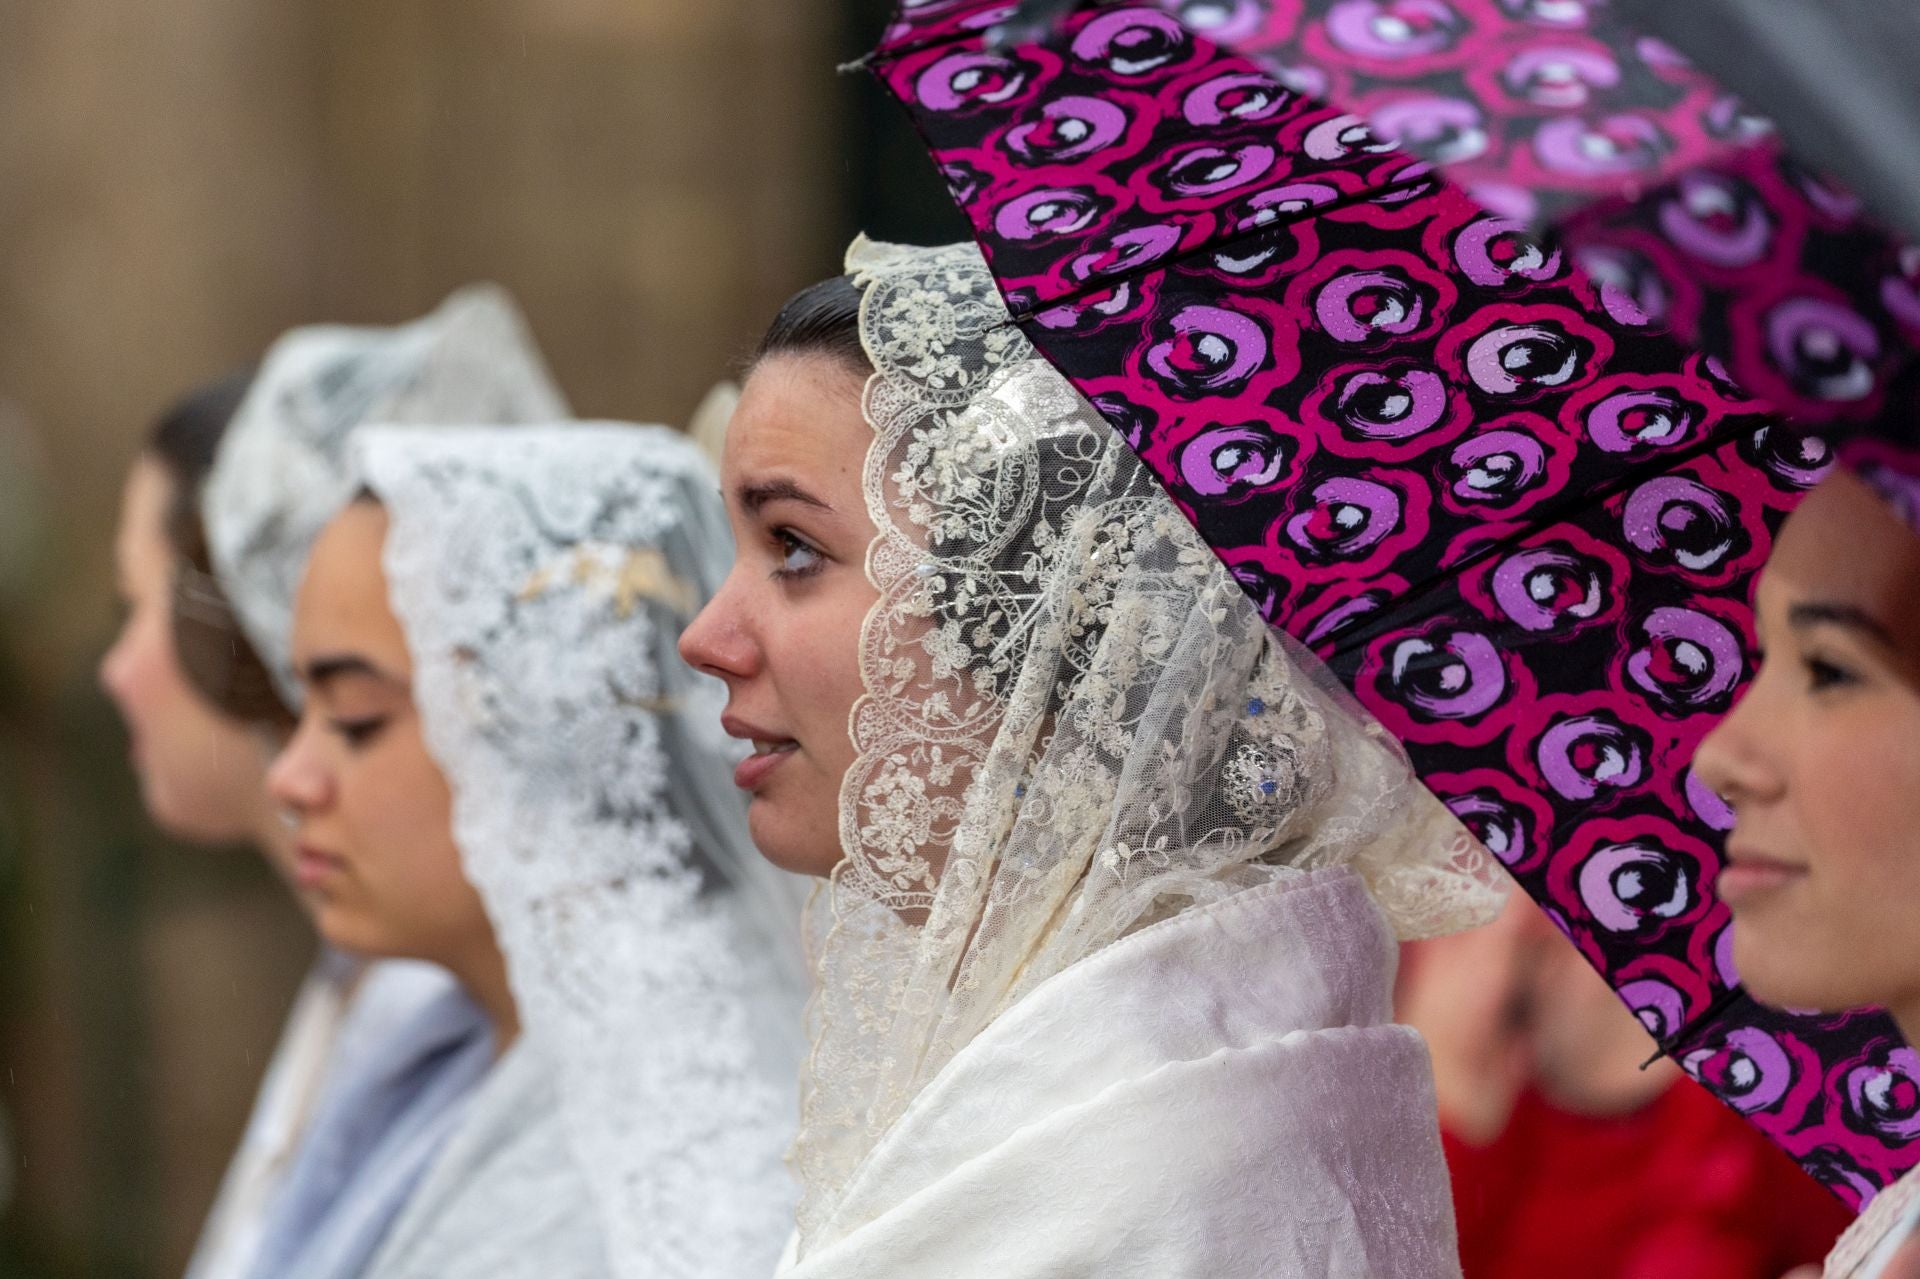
column 281, row 470
column 1074, row 723
column 542, row 576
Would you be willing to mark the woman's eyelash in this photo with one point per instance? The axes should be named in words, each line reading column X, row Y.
column 358, row 732
column 799, row 557
column 1824, row 674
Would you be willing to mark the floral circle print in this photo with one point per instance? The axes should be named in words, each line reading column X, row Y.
column 1284, row 247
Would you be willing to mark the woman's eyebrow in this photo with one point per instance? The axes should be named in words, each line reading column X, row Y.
column 321, row 671
column 1850, row 616
column 754, row 496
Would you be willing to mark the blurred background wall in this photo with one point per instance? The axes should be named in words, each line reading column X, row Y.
column 179, row 183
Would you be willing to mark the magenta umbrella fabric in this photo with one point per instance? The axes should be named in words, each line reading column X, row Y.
column 1678, row 201
column 1515, row 513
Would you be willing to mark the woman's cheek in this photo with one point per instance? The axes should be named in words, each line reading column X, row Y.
column 150, row 674
column 1859, row 804
column 831, row 648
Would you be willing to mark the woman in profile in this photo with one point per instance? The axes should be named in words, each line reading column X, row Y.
column 1105, row 958
column 1820, row 762
column 504, row 769
column 219, row 511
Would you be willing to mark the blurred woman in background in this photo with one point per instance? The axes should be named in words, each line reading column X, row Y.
column 200, row 709
column 503, row 768
column 1820, row 762
column 217, row 516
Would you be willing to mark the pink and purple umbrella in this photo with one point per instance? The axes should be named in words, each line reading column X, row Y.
column 1513, row 488
column 1665, row 190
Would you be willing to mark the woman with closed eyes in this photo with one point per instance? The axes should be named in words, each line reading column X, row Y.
column 503, row 769
column 219, row 513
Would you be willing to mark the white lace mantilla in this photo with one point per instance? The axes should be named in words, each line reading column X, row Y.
column 282, row 468
column 542, row 576
column 1074, row 722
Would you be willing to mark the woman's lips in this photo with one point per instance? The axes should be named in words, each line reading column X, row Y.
column 752, row 771
column 1745, row 878
column 312, row 867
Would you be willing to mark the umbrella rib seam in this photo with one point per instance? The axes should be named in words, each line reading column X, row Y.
column 1217, row 243
column 1679, row 1039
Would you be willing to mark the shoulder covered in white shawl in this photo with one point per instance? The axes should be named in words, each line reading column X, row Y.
column 1877, row 1232
column 506, row 1198
column 1222, row 1093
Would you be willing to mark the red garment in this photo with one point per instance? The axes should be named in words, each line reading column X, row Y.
column 1681, row 1189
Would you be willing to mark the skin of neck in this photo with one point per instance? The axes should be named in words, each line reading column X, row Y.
column 483, row 973
column 1906, row 1015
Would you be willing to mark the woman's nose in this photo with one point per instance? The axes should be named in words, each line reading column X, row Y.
column 297, row 779
column 719, row 641
column 112, row 672
column 1733, row 761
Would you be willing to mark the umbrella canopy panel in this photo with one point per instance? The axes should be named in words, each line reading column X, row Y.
column 1558, row 113
column 1515, row 514
column 1838, row 78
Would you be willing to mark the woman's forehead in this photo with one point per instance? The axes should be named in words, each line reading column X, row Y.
column 342, row 605
column 142, row 536
column 799, row 418
column 1843, row 546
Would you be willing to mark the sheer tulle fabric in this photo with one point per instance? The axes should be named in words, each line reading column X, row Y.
column 282, row 468
column 542, row 576
column 1074, row 724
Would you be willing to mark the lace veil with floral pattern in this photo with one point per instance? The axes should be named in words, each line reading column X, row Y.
column 1074, row 723
column 281, row 471
column 542, row 576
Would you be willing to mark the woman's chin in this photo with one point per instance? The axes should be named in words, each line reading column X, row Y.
column 174, row 813
column 349, row 930
column 1782, row 977
column 785, row 843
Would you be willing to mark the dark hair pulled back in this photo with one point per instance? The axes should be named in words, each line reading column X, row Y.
column 821, row 319
column 213, row 650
